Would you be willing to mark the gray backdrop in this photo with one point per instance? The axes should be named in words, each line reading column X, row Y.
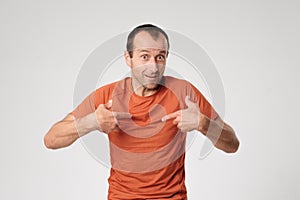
column 254, row 45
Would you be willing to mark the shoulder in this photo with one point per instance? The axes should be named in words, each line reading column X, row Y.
column 177, row 84
column 183, row 88
column 104, row 93
column 111, row 86
column 172, row 80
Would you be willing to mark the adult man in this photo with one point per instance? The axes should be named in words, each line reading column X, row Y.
column 146, row 117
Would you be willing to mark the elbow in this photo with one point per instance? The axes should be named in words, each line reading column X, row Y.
column 233, row 146
column 49, row 142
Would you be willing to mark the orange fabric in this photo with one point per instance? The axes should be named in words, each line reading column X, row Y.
column 147, row 155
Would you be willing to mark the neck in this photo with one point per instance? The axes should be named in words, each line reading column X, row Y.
column 147, row 92
column 142, row 90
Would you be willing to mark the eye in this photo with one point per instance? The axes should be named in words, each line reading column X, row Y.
column 160, row 58
column 144, row 56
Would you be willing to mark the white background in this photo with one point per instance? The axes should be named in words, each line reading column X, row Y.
column 254, row 45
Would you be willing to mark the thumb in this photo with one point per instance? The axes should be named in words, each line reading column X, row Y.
column 108, row 104
column 190, row 104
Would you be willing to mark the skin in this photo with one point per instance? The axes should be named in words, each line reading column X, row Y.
column 147, row 68
column 221, row 134
column 147, row 63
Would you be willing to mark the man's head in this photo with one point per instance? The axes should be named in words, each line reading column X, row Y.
column 147, row 51
column 153, row 30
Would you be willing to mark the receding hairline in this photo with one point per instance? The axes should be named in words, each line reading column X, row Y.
column 153, row 30
column 155, row 35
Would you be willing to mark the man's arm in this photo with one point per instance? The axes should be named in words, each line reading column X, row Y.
column 220, row 133
column 61, row 134
column 68, row 130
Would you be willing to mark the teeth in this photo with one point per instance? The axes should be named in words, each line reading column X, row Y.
column 151, row 76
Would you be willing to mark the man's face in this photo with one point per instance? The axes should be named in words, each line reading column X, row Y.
column 148, row 60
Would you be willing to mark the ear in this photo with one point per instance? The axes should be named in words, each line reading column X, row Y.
column 127, row 58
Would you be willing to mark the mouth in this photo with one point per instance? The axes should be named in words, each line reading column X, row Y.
column 151, row 77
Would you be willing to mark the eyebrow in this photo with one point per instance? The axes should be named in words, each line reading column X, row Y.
column 145, row 50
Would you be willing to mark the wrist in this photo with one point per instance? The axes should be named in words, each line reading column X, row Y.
column 86, row 124
column 204, row 122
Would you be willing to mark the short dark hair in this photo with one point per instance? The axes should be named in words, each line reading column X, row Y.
column 153, row 30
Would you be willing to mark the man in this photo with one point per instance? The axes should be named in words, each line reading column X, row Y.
column 146, row 117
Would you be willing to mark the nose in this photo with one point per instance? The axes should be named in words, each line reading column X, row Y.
column 152, row 60
column 153, row 65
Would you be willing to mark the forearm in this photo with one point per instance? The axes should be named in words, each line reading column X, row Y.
column 61, row 134
column 67, row 131
column 221, row 134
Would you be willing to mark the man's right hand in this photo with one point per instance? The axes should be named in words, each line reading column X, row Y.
column 68, row 130
column 108, row 120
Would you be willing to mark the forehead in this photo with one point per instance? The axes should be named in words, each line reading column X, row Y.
column 150, row 50
column 143, row 40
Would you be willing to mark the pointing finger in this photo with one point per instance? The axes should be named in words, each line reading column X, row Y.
column 122, row 115
column 177, row 120
column 171, row 115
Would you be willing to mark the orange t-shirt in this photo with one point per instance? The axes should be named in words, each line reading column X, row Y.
column 147, row 155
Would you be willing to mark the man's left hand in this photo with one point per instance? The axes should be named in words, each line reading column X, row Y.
column 186, row 119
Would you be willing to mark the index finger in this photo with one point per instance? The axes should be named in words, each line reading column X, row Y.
column 122, row 115
column 170, row 116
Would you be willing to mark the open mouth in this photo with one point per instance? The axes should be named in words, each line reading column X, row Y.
column 151, row 79
column 151, row 76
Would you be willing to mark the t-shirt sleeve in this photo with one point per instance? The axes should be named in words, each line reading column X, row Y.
column 204, row 105
column 86, row 107
column 100, row 96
